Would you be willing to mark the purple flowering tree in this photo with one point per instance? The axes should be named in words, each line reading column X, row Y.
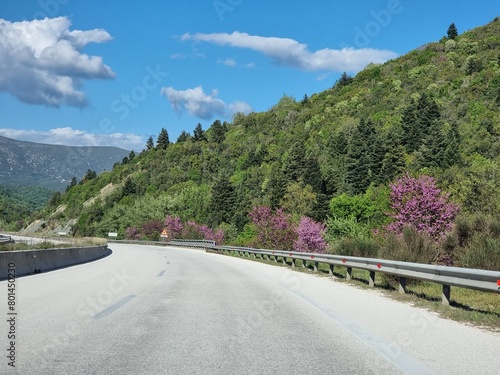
column 152, row 229
column 274, row 230
column 418, row 203
column 174, row 226
column 310, row 236
column 132, row 233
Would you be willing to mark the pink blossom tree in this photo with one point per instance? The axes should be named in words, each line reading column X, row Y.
column 152, row 229
column 174, row 226
column 418, row 203
column 274, row 230
column 132, row 233
column 310, row 236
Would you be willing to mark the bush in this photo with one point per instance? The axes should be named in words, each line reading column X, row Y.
column 357, row 247
column 409, row 246
column 310, row 236
column 483, row 252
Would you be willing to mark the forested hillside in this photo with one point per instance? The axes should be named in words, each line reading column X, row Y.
column 330, row 157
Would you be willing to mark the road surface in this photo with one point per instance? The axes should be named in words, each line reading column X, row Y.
column 163, row 310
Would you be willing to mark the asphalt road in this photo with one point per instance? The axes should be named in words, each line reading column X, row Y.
column 158, row 310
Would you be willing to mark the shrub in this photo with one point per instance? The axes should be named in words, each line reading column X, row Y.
column 418, row 203
column 310, row 236
column 152, row 229
column 174, row 226
column 483, row 252
column 357, row 247
column 132, row 233
column 274, row 230
column 409, row 246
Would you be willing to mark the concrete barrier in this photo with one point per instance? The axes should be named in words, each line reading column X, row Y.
column 28, row 262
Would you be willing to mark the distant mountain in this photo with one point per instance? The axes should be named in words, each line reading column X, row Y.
column 52, row 166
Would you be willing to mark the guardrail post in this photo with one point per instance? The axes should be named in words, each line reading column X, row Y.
column 315, row 267
column 284, row 261
column 275, row 259
column 293, row 262
column 348, row 274
column 330, row 269
column 371, row 282
column 445, row 296
column 402, row 285
column 304, row 265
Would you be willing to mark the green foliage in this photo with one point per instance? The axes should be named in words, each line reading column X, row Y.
column 357, row 247
column 163, row 140
column 409, row 246
column 452, row 32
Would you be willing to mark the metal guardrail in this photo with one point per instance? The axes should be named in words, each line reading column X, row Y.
column 483, row 280
column 182, row 243
column 5, row 239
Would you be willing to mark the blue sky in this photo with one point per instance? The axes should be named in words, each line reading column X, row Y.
column 103, row 72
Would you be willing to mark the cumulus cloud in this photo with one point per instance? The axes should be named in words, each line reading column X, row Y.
column 289, row 52
column 199, row 104
column 41, row 61
column 73, row 137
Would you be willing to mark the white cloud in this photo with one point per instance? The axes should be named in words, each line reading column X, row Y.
column 202, row 105
column 289, row 52
column 41, row 62
column 228, row 62
column 73, row 137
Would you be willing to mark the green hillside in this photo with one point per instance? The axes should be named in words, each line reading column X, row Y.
column 434, row 111
column 17, row 203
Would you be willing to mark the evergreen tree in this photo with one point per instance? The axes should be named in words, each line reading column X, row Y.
column 218, row 132
column 184, row 136
column 162, row 141
column 363, row 164
column 276, row 186
column 72, row 183
column 295, row 164
column 131, row 155
column 199, row 134
column 129, row 187
column 222, row 203
column 393, row 164
column 90, row 175
column 336, row 175
column 312, row 174
column 418, row 119
column 410, row 129
column 150, row 143
column 452, row 32
column 344, row 80
column 452, row 149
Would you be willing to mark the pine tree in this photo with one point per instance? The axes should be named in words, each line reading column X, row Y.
column 363, row 164
column 452, row 149
column 295, row 164
column 222, row 203
column 218, row 132
column 183, row 137
column 129, row 187
column 199, row 134
column 393, row 164
column 162, row 141
column 418, row 119
column 452, row 32
column 344, row 80
column 276, row 186
column 150, row 143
